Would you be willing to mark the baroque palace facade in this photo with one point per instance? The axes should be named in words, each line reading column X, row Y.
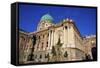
column 55, row 42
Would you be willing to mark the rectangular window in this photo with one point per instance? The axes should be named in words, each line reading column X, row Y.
column 47, row 44
column 43, row 36
column 40, row 56
column 42, row 46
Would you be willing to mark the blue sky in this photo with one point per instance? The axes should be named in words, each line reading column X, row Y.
column 30, row 15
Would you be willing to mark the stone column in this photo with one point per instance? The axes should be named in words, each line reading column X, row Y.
column 49, row 40
column 52, row 40
column 65, row 37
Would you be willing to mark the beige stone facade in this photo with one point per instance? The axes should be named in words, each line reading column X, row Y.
column 54, row 42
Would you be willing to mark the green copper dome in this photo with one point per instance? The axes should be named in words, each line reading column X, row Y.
column 46, row 17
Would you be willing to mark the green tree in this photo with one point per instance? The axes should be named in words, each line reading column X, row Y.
column 53, row 51
column 59, row 52
column 56, row 51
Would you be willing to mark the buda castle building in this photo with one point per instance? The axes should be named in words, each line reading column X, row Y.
column 55, row 42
